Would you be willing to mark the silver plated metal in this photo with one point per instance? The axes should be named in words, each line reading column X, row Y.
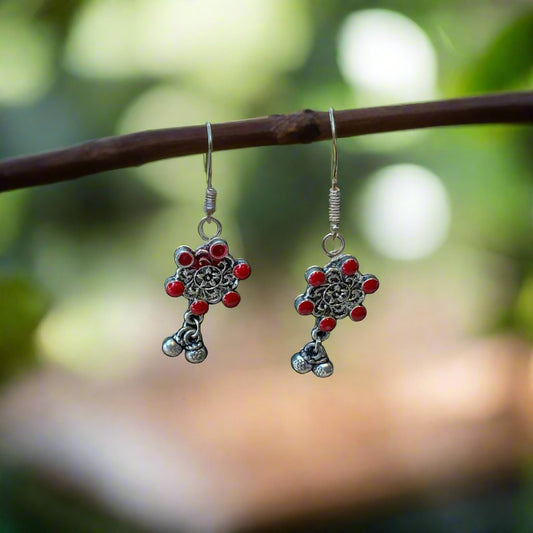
column 208, row 158
column 334, row 195
column 205, row 276
column 210, row 203
column 333, row 292
column 209, row 220
column 336, row 251
column 334, row 155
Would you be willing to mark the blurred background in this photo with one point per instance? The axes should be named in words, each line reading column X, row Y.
column 426, row 424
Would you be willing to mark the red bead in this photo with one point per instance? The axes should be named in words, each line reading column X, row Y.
column 231, row 299
column 370, row 285
column 349, row 267
column 358, row 313
column 327, row 324
column 199, row 307
column 175, row 288
column 305, row 307
column 218, row 250
column 242, row 270
column 185, row 257
column 316, row 278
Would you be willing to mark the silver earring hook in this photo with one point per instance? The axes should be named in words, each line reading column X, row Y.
column 334, row 158
column 210, row 202
column 334, row 198
column 208, row 158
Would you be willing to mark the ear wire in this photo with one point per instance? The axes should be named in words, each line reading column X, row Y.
column 334, row 196
column 210, row 203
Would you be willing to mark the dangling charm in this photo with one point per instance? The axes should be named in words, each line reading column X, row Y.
column 204, row 276
column 333, row 292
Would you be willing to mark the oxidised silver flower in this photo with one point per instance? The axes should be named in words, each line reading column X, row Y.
column 204, row 276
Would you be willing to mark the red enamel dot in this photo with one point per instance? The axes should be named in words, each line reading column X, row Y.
column 242, row 270
column 231, row 299
column 175, row 288
column 316, row 278
column 358, row 313
column 185, row 258
column 305, row 307
column 218, row 250
column 349, row 267
column 199, row 307
column 327, row 324
column 370, row 285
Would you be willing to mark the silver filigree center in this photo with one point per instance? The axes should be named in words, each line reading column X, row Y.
column 208, row 277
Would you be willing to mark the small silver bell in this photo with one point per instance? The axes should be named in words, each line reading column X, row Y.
column 171, row 347
column 300, row 364
column 196, row 353
column 324, row 370
column 313, row 357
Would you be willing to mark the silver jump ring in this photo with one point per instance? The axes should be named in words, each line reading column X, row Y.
column 335, row 251
column 209, row 219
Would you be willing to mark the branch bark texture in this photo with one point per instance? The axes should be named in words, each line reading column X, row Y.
column 303, row 127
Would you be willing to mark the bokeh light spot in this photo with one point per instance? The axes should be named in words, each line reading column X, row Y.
column 66, row 336
column 209, row 42
column 26, row 61
column 102, row 40
column 386, row 57
column 165, row 106
column 405, row 212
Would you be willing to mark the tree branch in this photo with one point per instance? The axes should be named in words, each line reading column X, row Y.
column 304, row 127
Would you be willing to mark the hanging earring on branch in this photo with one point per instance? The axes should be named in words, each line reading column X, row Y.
column 204, row 276
column 334, row 291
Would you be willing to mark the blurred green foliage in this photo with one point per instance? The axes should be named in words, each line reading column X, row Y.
column 22, row 305
column 31, row 504
column 506, row 62
column 99, row 227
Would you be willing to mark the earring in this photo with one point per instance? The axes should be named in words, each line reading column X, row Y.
column 204, row 276
column 334, row 291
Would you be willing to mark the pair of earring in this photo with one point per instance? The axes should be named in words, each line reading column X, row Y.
column 210, row 274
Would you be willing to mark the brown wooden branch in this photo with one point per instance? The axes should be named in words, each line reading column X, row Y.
column 304, row 127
